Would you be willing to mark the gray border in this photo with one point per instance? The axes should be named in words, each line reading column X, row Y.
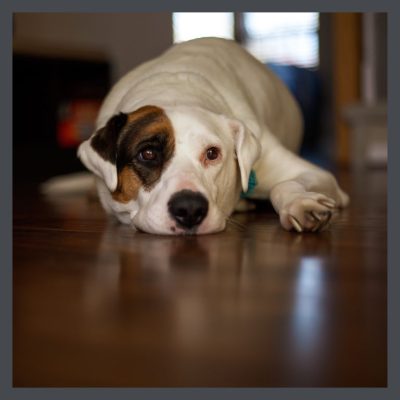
column 5, row 202
column 6, row 390
column 393, row 201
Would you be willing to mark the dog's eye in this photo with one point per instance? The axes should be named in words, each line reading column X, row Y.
column 147, row 155
column 212, row 153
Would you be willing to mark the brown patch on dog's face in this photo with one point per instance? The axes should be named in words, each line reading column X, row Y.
column 145, row 146
column 128, row 186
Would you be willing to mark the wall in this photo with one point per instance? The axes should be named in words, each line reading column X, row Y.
column 125, row 39
column 374, row 60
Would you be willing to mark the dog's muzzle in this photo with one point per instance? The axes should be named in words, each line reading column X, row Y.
column 188, row 208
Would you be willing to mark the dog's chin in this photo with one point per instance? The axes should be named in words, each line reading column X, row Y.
column 174, row 230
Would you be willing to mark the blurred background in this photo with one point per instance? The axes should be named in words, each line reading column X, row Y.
column 335, row 64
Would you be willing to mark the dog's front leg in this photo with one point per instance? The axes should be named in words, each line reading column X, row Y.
column 304, row 195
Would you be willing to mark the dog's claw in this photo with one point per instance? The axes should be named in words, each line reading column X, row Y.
column 317, row 226
column 327, row 203
column 295, row 223
column 325, row 223
column 315, row 216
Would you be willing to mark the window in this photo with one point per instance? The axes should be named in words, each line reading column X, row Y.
column 188, row 26
column 283, row 38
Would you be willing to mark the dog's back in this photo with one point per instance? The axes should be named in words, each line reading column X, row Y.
column 253, row 93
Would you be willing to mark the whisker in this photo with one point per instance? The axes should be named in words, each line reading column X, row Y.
column 235, row 223
column 232, row 221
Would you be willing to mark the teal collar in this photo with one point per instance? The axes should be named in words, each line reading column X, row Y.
column 251, row 186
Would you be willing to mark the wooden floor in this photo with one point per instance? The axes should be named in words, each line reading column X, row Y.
column 96, row 304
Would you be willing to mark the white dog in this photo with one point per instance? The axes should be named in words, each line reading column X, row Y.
column 179, row 137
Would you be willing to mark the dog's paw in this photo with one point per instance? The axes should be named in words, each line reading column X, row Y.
column 307, row 212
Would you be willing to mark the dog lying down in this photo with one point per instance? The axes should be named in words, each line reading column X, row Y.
column 181, row 138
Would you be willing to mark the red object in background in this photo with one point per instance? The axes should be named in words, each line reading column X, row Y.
column 76, row 121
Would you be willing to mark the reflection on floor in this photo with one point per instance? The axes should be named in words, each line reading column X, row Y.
column 97, row 304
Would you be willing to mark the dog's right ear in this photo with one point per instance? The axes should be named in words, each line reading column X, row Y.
column 247, row 149
column 99, row 152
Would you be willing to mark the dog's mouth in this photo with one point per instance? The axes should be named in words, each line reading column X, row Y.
column 174, row 230
column 184, row 232
column 171, row 229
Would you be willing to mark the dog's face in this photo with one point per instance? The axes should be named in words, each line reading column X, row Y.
column 171, row 171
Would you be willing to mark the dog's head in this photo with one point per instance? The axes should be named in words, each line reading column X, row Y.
column 172, row 171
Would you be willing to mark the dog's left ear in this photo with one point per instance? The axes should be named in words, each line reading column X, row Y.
column 247, row 147
column 99, row 152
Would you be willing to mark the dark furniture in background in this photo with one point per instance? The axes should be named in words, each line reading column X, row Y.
column 42, row 86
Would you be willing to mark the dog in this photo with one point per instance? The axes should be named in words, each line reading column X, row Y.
column 182, row 138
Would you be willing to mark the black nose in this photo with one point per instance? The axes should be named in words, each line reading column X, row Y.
column 188, row 208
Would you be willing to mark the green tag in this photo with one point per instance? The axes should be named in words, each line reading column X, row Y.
column 252, row 185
